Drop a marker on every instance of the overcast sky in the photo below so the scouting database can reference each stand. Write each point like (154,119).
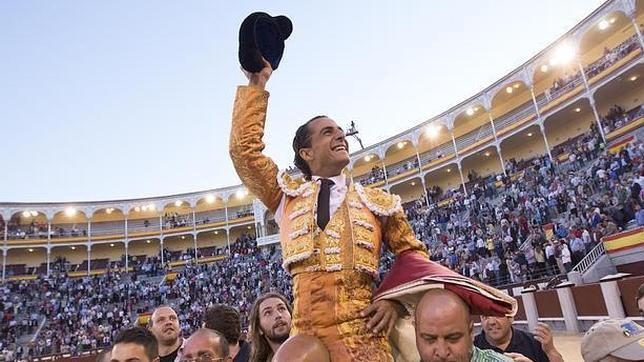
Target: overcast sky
(119,99)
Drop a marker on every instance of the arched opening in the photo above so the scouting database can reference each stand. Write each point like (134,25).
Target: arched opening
(210,211)
(520,149)
(512,106)
(443,182)
(70,224)
(27,224)
(107,223)
(400,160)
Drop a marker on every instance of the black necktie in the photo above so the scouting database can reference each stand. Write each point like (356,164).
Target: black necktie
(323,202)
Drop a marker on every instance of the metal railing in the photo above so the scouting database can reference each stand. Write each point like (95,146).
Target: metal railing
(402,166)
(590,258)
(550,96)
(509,118)
(444,149)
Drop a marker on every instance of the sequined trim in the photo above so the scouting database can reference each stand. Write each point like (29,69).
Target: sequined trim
(364,224)
(355,204)
(334,250)
(365,244)
(367,270)
(295,258)
(332,234)
(333,267)
(291,188)
(298,213)
(312,268)
(297,233)
(382,203)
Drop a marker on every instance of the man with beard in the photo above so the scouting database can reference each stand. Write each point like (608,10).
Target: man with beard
(270,325)
(444,330)
(164,324)
(499,335)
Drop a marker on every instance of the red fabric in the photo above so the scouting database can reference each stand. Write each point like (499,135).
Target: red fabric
(410,266)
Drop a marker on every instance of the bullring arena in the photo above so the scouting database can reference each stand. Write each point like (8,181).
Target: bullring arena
(487,185)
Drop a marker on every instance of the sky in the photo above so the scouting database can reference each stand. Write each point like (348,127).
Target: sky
(104,100)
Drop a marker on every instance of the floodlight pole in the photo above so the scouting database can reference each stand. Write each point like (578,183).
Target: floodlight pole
(353,131)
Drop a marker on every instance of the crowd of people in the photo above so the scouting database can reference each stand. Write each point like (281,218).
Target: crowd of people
(617,117)
(496,232)
(566,82)
(611,56)
(376,174)
(173,220)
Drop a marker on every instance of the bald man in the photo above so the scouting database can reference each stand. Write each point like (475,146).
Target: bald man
(444,330)
(302,348)
(164,324)
(206,344)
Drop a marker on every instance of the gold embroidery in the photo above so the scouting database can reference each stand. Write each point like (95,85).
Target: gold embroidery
(378,201)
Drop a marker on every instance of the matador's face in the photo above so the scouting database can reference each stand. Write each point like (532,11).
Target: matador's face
(329,151)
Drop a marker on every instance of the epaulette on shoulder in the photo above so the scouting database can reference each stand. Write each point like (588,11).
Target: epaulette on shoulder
(291,186)
(380,202)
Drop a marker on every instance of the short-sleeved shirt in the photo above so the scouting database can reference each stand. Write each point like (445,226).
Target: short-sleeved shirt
(521,342)
(487,355)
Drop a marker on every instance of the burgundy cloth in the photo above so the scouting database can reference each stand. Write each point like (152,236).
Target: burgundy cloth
(410,266)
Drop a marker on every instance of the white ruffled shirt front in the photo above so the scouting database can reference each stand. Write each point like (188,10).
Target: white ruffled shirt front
(338,193)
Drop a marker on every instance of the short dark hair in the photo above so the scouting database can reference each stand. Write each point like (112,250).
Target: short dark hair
(301,140)
(142,337)
(224,319)
(104,355)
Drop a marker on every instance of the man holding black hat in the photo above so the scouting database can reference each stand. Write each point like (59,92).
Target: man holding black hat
(331,231)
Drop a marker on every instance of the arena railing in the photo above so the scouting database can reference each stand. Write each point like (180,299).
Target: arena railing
(444,149)
(517,114)
(401,167)
(108,228)
(551,96)
(590,258)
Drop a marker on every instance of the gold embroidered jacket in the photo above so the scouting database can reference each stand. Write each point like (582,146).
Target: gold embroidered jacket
(353,237)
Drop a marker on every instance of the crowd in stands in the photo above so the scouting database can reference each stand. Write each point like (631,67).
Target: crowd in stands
(496,232)
(618,117)
(35,229)
(85,313)
(612,56)
(375,175)
(174,220)
(566,82)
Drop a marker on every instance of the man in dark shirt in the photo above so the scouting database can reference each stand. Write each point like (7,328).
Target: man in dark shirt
(226,320)
(499,335)
(164,325)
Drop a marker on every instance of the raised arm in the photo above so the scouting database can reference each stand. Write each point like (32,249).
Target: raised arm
(257,171)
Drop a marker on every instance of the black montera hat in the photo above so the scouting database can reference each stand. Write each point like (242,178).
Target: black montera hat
(262,35)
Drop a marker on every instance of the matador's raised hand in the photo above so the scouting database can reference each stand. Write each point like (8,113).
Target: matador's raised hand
(260,78)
